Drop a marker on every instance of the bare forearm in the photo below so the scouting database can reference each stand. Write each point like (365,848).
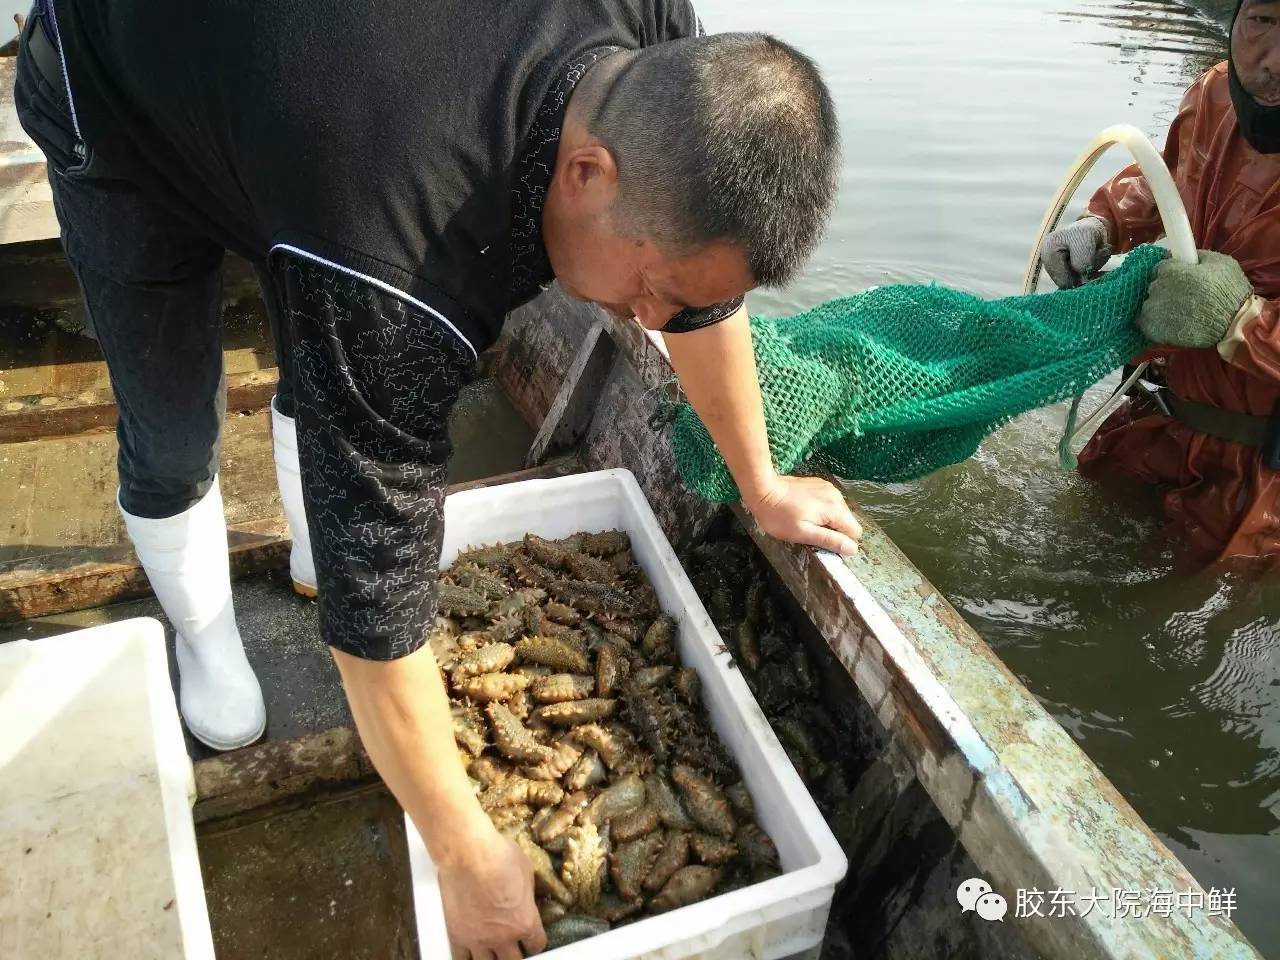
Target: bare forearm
(717,371)
(402,713)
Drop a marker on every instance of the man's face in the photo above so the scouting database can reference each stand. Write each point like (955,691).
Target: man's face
(594,260)
(1255,49)
(637,278)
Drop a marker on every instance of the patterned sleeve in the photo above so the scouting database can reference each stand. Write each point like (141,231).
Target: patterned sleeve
(374,379)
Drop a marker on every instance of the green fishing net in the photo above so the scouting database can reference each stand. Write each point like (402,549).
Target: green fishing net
(897,382)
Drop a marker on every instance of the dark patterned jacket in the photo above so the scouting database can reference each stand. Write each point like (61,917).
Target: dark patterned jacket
(387,163)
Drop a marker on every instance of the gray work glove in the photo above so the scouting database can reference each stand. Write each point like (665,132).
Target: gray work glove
(1071,254)
(1194,304)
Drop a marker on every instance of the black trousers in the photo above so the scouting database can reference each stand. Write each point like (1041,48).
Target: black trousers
(152,289)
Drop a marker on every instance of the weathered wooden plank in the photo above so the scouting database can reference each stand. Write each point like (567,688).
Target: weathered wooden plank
(114,575)
(572,409)
(1028,805)
(48,354)
(277,771)
(538,344)
(51,415)
(71,579)
(26,210)
(36,277)
(54,382)
(556,467)
(71,518)
(26,205)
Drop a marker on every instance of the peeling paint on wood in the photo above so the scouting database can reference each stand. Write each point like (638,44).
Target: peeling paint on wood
(1032,810)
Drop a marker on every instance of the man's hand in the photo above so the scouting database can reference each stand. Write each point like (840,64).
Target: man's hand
(717,370)
(1073,252)
(488,901)
(807,510)
(486,882)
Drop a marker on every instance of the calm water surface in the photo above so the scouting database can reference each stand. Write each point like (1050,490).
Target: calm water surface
(960,120)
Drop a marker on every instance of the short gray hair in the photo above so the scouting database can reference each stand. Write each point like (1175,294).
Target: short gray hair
(729,137)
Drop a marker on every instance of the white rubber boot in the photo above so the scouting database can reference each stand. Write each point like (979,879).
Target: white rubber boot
(302,567)
(185,558)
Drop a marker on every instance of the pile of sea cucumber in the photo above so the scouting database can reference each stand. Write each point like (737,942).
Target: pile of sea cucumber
(586,738)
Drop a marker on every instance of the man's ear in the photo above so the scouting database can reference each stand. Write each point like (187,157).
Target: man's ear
(590,170)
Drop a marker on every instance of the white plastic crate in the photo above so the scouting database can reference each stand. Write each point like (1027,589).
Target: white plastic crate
(782,917)
(98,852)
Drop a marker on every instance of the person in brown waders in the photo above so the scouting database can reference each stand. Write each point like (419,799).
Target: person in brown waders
(1209,433)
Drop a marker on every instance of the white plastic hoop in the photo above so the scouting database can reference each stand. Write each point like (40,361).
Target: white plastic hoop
(1177,228)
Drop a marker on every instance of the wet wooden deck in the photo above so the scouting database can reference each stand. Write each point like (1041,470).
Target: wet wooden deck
(62,544)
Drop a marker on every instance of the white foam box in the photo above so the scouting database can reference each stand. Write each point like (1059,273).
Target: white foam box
(782,917)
